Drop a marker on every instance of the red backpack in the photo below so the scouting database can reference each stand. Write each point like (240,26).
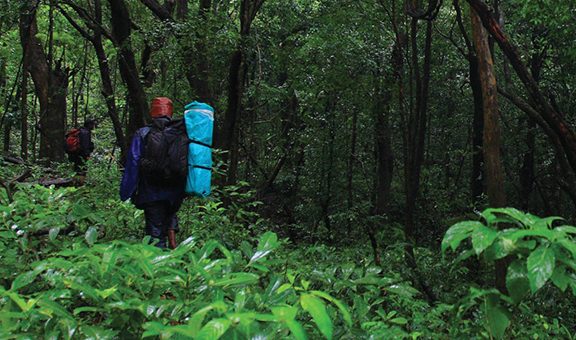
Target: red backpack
(73,141)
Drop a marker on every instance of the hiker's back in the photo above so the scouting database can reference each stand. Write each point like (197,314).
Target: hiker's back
(164,158)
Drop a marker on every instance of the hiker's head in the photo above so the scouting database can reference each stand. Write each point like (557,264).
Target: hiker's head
(90,123)
(161,107)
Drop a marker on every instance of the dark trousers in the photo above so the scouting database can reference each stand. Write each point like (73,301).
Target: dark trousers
(160,217)
(79,163)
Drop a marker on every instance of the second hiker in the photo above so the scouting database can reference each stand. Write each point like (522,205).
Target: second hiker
(155,172)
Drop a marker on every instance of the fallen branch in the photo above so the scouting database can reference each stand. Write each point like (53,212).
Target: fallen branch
(10,185)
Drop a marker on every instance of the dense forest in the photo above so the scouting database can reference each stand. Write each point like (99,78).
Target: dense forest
(382,169)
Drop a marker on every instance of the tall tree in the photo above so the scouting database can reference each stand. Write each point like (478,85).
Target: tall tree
(491,138)
(50,84)
(228,136)
(121,30)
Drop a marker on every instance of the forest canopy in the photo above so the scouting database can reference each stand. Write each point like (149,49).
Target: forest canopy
(382,169)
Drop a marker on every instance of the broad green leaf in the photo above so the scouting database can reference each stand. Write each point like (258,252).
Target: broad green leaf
(540,267)
(517,280)
(545,233)
(237,279)
(398,321)
(545,223)
(457,233)
(25,306)
(195,322)
(55,308)
(402,289)
(508,215)
(317,309)
(496,317)
(285,312)
(214,329)
(568,229)
(91,235)
(482,238)
(106,292)
(569,245)
(296,329)
(24,279)
(345,313)
(53,233)
(267,243)
(560,278)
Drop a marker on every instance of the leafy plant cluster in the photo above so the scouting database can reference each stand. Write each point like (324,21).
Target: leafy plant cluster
(535,250)
(233,279)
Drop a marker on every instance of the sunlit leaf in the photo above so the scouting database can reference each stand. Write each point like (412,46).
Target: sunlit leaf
(541,264)
(457,233)
(317,310)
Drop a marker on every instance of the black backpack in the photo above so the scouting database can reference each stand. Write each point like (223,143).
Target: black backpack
(165,157)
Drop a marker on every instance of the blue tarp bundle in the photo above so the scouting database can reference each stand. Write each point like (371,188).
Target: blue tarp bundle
(199,118)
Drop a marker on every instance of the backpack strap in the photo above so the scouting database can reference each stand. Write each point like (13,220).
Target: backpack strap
(200,143)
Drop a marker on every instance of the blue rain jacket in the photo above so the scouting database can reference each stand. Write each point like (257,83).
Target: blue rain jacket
(137,187)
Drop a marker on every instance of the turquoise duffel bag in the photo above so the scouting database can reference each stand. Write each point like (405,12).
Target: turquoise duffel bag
(199,119)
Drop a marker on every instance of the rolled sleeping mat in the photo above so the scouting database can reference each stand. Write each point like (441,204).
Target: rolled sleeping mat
(199,120)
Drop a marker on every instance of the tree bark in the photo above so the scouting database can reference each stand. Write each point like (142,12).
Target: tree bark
(477,173)
(51,87)
(554,119)
(121,29)
(227,139)
(491,138)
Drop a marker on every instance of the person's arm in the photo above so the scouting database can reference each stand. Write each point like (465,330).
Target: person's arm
(130,178)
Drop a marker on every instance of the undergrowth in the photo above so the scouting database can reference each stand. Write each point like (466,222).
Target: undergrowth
(74,264)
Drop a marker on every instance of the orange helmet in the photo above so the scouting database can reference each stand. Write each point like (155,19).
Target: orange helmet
(161,107)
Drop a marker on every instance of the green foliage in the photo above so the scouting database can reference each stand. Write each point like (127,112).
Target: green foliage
(127,290)
(538,251)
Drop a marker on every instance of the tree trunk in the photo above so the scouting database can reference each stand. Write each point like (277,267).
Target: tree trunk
(477,174)
(51,87)
(138,103)
(555,121)
(491,138)
(351,160)
(227,139)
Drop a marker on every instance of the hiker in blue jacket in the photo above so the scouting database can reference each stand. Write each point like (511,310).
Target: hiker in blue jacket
(160,202)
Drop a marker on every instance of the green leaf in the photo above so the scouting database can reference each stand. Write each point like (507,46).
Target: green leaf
(569,245)
(237,279)
(496,317)
(214,329)
(398,321)
(53,233)
(560,278)
(457,233)
(566,229)
(402,289)
(345,313)
(106,292)
(24,279)
(91,235)
(296,329)
(267,243)
(482,238)
(517,280)
(317,309)
(540,267)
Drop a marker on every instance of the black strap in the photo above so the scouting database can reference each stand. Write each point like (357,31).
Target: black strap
(202,167)
(200,143)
